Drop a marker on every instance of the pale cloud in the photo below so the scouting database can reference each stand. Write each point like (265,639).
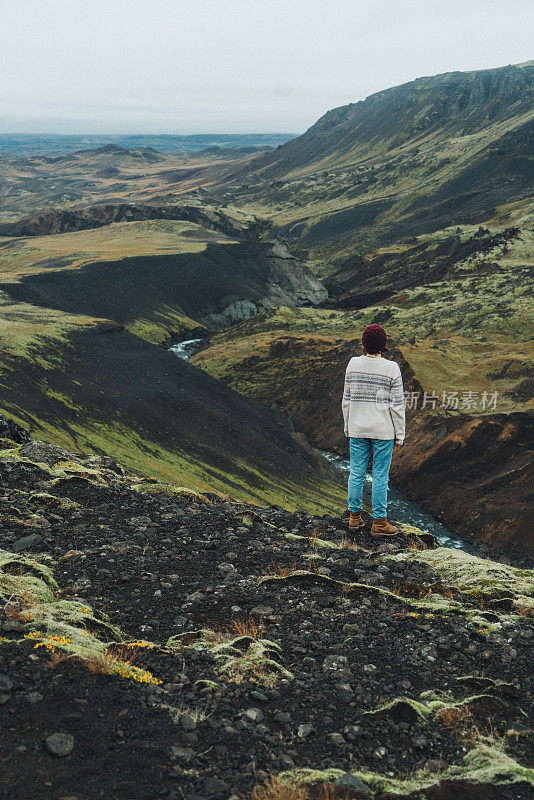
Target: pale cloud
(188,66)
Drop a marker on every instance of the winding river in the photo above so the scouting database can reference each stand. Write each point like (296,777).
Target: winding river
(400,507)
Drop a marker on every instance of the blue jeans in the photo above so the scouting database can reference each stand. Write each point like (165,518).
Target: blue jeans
(360,451)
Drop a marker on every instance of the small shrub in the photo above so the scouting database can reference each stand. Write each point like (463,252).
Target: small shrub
(281,571)
(274,789)
(247,627)
(347,544)
(197,713)
(411,590)
(57,659)
(459,721)
(524,609)
(107,664)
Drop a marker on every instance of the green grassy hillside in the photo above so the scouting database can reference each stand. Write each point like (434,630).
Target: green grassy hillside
(470,330)
(409,160)
(81,318)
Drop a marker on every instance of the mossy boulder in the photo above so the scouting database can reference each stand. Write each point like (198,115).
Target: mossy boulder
(485,773)
(73,628)
(238,657)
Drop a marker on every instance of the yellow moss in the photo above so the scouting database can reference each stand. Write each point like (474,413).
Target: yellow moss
(62,625)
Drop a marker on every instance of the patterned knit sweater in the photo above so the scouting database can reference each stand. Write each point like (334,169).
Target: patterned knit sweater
(373,399)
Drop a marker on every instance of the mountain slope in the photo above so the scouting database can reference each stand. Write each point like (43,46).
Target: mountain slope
(443,106)
(107,391)
(81,318)
(408,160)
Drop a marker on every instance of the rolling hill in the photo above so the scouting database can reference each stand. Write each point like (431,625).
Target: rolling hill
(82,318)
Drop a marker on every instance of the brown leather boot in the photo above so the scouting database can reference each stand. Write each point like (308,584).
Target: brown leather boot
(381,527)
(355,521)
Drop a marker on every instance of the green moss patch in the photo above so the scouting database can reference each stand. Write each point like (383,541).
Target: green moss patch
(404,709)
(237,658)
(483,770)
(25,580)
(496,687)
(73,628)
(418,712)
(140,485)
(477,578)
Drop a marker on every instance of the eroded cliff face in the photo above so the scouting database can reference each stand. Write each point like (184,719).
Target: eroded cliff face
(475,473)
(66,221)
(279,279)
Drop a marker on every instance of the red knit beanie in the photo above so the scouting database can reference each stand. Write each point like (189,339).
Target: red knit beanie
(374,338)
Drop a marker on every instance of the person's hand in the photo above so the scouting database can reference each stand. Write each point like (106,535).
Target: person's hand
(397,444)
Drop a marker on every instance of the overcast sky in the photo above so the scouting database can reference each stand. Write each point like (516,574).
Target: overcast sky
(233,66)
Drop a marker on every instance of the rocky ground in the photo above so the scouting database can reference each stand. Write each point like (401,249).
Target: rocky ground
(158,643)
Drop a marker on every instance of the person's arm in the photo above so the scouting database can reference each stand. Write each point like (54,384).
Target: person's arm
(345,403)
(396,407)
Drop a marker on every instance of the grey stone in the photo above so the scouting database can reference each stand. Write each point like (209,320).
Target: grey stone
(33,543)
(254,714)
(353,731)
(215,787)
(34,697)
(334,663)
(305,730)
(13,625)
(344,692)
(183,754)
(420,741)
(282,717)
(60,744)
(187,722)
(6,684)
(337,739)
(352,782)
(240,310)
(104,573)
(262,611)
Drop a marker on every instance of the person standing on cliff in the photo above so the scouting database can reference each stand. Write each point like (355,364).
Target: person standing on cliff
(373,413)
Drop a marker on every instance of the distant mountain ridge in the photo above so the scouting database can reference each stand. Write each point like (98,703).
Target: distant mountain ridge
(25,144)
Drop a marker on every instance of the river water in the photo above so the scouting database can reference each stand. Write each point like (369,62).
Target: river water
(400,507)
(185,349)
(398,504)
